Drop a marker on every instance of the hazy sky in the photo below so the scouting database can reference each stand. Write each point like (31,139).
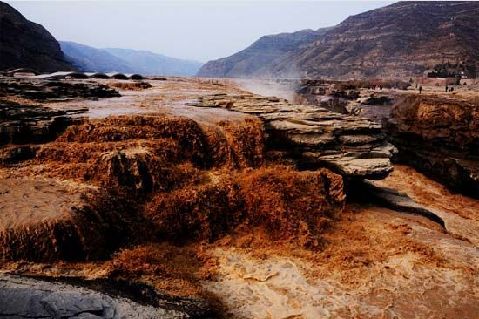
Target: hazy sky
(192,29)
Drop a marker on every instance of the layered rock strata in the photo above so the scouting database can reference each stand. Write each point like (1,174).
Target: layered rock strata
(396,41)
(31,124)
(312,136)
(41,90)
(440,137)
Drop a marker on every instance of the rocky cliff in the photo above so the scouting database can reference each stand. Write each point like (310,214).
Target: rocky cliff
(27,44)
(399,40)
(259,58)
(439,136)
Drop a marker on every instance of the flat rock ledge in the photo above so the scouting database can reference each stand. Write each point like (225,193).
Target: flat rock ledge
(312,136)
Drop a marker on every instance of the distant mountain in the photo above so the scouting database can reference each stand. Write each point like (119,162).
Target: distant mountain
(88,58)
(24,44)
(399,40)
(147,62)
(260,58)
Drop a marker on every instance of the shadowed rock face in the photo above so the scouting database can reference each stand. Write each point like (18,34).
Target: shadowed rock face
(41,90)
(312,136)
(27,44)
(398,40)
(439,136)
(25,124)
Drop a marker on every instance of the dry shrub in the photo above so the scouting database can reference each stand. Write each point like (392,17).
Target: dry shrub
(287,203)
(132,86)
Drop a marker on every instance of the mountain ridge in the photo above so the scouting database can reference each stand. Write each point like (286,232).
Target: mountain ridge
(396,41)
(89,58)
(25,44)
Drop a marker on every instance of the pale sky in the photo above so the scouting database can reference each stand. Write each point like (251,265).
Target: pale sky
(191,29)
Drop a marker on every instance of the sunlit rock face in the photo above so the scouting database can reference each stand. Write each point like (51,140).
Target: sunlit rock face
(400,40)
(312,137)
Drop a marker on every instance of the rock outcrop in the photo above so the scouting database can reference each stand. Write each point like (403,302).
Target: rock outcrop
(24,124)
(46,219)
(312,136)
(399,40)
(31,298)
(439,136)
(41,90)
(27,44)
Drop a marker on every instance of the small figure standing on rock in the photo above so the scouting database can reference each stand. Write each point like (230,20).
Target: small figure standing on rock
(420,89)
(447,88)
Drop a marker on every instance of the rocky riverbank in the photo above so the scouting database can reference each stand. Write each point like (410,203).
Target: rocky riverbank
(194,198)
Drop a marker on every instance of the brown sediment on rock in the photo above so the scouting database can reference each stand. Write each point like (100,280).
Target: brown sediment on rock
(440,137)
(314,137)
(125,159)
(150,150)
(229,224)
(49,220)
(131,85)
(176,270)
(142,166)
(289,205)
(236,144)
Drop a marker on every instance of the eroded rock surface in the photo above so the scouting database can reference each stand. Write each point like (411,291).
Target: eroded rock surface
(40,90)
(48,219)
(204,206)
(312,136)
(31,124)
(439,136)
(29,298)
